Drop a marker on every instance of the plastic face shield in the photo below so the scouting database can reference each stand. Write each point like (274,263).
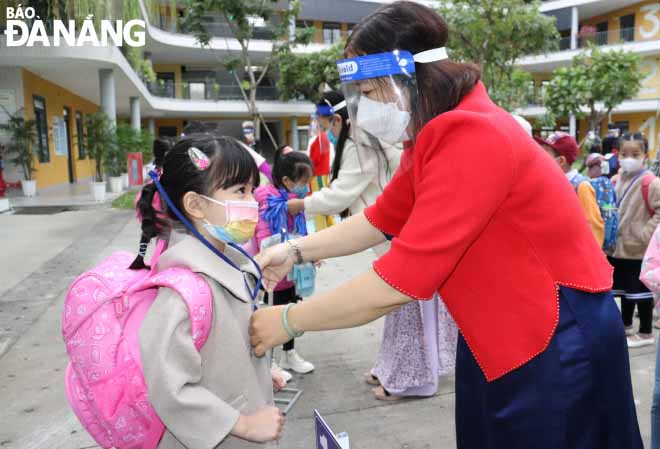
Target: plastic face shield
(381,91)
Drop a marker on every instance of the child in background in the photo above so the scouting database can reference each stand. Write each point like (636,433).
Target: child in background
(638,195)
(221,396)
(291,173)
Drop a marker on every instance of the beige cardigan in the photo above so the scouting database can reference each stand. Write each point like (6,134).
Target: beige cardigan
(636,226)
(199,396)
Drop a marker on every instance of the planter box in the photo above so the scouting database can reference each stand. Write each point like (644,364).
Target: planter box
(116,184)
(98,191)
(29,187)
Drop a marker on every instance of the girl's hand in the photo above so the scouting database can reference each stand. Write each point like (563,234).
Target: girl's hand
(275,263)
(267,330)
(278,379)
(264,426)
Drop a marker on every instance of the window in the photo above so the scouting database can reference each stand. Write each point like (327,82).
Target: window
(197,90)
(623,127)
(165,85)
(627,25)
(42,129)
(544,84)
(167,131)
(79,133)
(601,33)
(331,33)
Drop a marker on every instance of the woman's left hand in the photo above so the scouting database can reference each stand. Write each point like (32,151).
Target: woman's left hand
(267,330)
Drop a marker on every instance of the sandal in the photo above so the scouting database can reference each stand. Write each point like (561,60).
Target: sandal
(371,379)
(383,395)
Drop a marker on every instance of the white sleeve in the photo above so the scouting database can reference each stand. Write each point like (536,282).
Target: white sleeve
(350,183)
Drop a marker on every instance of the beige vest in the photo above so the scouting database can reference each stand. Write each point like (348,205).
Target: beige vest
(199,396)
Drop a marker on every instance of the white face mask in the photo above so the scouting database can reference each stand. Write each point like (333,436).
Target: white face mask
(631,165)
(383,120)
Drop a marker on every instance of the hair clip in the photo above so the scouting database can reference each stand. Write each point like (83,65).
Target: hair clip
(286,150)
(198,158)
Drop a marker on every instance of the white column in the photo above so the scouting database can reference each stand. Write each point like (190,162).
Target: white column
(575,25)
(572,126)
(152,126)
(108,96)
(294,133)
(136,120)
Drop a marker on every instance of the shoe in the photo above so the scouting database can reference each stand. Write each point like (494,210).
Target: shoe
(639,340)
(287,376)
(630,330)
(291,360)
(383,395)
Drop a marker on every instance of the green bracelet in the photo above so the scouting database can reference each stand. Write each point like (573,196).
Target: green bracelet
(285,323)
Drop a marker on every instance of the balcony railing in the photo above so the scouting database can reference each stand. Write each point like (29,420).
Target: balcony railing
(214,25)
(208,91)
(600,38)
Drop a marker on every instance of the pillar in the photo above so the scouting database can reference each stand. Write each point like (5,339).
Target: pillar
(108,97)
(136,120)
(151,123)
(572,126)
(575,25)
(295,143)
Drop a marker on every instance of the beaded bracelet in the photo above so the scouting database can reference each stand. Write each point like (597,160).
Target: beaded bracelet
(285,322)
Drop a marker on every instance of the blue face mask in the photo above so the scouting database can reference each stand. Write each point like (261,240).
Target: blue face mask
(331,137)
(301,191)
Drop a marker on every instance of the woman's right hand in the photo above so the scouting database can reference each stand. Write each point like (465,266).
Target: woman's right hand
(275,262)
(265,425)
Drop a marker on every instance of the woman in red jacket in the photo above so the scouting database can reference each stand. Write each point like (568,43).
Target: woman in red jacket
(482,215)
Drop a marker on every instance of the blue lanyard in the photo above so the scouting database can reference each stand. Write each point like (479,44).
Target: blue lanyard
(625,192)
(191,228)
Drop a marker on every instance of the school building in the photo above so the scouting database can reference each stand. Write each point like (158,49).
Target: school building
(629,25)
(59,86)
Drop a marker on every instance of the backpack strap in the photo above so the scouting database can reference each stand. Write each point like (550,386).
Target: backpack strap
(646,184)
(197,295)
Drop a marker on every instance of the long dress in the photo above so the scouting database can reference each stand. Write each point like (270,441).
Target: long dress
(405,367)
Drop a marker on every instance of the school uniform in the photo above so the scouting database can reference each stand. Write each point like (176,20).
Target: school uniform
(199,396)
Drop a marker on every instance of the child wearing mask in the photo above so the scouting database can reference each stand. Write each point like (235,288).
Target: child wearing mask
(638,195)
(291,173)
(222,395)
(564,149)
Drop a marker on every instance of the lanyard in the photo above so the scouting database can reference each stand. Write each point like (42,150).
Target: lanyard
(625,192)
(191,228)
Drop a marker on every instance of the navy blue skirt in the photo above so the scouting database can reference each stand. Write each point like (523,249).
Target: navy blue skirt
(577,394)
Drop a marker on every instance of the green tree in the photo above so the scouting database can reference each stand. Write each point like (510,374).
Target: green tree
(100,141)
(495,34)
(22,137)
(242,18)
(304,75)
(595,83)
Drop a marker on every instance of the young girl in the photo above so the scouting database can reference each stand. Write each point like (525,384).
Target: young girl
(638,194)
(221,396)
(291,173)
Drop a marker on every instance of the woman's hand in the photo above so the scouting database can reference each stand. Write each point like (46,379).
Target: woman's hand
(267,330)
(275,262)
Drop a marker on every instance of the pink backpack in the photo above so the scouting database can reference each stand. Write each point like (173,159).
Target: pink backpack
(103,312)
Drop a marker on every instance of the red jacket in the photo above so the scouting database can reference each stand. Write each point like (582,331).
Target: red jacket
(481,214)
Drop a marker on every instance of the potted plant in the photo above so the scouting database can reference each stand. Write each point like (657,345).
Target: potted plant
(100,138)
(22,137)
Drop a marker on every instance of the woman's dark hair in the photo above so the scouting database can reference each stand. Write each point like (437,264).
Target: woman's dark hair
(292,164)
(415,28)
(636,137)
(229,165)
(160,148)
(333,98)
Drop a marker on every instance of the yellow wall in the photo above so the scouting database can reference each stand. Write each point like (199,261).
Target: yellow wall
(56,171)
(178,122)
(176,68)
(286,129)
(647,21)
